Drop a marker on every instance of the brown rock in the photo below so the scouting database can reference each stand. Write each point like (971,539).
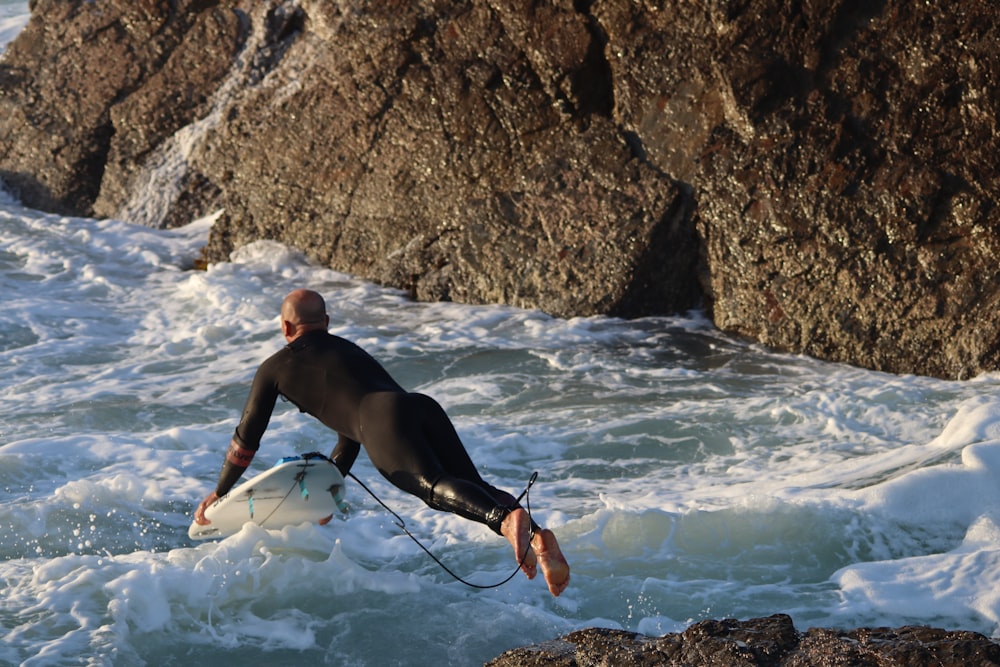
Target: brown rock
(146,123)
(819,176)
(74,68)
(760,642)
(841,155)
(435,152)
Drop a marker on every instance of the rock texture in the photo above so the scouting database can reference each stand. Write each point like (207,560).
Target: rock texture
(90,89)
(760,642)
(819,176)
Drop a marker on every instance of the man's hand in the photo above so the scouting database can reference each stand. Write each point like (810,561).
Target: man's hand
(199,514)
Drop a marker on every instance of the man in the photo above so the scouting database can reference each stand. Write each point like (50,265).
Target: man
(408,436)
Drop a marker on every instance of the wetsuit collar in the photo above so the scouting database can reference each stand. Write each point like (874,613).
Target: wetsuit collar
(306,339)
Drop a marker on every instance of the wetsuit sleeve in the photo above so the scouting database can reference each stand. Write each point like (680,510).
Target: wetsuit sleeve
(258,408)
(344,454)
(237,461)
(246,438)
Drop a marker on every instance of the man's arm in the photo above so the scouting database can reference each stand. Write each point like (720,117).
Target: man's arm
(238,458)
(246,438)
(344,453)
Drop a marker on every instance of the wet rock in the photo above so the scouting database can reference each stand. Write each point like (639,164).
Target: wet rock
(760,642)
(89,90)
(820,177)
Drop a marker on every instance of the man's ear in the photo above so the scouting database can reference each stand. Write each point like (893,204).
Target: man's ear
(287,328)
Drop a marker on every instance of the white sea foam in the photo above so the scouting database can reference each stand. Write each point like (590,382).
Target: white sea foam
(13,17)
(688,475)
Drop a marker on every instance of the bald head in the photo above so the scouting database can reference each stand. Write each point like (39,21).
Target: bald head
(303,310)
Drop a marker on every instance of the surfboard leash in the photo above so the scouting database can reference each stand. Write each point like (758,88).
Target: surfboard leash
(299,481)
(402,526)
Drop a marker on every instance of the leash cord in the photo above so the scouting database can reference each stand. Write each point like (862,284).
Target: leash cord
(402,526)
(298,480)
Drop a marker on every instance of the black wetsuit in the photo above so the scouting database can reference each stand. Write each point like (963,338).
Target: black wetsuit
(408,436)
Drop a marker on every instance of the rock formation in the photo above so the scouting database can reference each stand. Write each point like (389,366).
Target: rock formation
(818,176)
(760,642)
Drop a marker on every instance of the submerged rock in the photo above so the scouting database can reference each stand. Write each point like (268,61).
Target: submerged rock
(820,177)
(760,642)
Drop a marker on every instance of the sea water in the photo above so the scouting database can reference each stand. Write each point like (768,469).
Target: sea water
(687,474)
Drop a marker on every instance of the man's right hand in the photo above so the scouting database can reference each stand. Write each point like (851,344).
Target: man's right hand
(199,514)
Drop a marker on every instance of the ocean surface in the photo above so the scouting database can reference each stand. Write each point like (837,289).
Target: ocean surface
(687,474)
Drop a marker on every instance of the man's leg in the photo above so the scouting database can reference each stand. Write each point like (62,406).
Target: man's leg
(542,549)
(411,441)
(417,442)
(449,450)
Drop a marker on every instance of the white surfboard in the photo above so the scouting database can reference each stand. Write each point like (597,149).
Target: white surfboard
(298,489)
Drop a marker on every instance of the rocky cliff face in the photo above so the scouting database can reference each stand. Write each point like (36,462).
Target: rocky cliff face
(819,176)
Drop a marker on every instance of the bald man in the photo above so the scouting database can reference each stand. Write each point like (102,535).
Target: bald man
(408,436)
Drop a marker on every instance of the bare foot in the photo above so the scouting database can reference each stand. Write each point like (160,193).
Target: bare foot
(516,527)
(555,569)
